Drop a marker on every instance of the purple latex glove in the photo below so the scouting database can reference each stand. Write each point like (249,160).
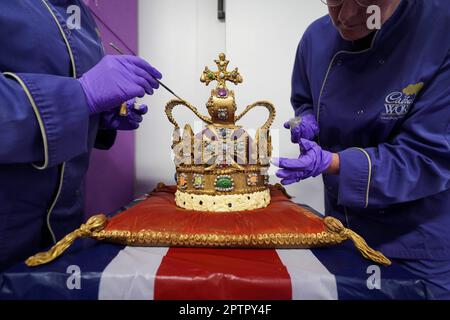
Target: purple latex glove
(114,121)
(311,162)
(304,126)
(116,79)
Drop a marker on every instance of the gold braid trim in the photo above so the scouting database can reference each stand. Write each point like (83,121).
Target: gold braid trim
(92,226)
(260,240)
(335,226)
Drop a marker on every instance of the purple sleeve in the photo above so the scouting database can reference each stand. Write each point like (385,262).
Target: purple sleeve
(46,121)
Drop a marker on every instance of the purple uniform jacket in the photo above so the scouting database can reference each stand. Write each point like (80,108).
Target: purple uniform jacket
(386,111)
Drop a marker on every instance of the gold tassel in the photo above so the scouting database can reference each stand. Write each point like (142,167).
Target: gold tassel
(93,225)
(336,226)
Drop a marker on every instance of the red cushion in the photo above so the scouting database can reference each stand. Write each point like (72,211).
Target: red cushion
(160,213)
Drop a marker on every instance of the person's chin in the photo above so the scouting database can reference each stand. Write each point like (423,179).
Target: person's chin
(353,34)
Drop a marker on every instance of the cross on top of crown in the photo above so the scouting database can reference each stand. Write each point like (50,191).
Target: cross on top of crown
(222,75)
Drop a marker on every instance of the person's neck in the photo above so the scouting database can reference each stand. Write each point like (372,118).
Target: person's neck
(390,10)
(366,42)
(363,43)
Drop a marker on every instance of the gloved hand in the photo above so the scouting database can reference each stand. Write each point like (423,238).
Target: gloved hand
(114,121)
(304,126)
(116,79)
(311,162)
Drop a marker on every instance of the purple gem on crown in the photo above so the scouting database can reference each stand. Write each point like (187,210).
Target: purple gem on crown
(222,92)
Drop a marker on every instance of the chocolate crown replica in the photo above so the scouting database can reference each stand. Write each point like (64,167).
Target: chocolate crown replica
(222,198)
(222,168)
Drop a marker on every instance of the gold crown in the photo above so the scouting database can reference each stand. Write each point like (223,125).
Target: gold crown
(221,168)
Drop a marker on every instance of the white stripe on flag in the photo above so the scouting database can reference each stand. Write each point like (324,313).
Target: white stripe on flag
(310,279)
(131,274)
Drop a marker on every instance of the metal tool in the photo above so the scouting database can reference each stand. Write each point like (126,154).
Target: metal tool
(162,84)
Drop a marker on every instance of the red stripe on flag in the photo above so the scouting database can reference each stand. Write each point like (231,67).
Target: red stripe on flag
(215,274)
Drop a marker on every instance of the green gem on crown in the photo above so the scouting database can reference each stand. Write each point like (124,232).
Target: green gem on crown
(224,183)
(211,75)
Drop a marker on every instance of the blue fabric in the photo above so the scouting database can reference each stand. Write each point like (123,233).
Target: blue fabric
(34,50)
(49,282)
(385,110)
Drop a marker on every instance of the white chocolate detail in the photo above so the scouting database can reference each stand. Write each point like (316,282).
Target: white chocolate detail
(223,203)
